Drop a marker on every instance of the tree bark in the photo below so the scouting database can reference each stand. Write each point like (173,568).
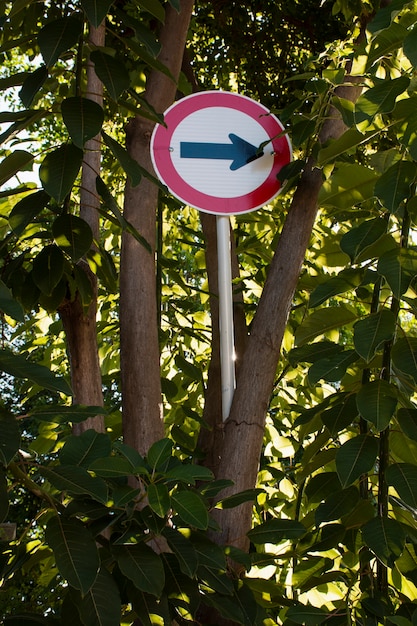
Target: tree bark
(80,324)
(139,341)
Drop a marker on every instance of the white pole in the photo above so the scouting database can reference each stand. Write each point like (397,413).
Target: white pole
(227,344)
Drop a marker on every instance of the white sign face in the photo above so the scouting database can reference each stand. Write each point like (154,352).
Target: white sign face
(220,152)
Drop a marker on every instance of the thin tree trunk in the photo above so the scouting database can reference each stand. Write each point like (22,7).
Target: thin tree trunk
(139,341)
(80,324)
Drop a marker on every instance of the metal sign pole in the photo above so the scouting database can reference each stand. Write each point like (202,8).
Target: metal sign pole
(227,344)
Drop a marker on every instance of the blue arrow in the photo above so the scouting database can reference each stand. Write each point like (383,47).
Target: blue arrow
(240,152)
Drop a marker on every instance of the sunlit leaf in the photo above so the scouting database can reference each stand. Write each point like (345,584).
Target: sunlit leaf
(75,551)
(323,320)
(73,235)
(191,509)
(347,280)
(410,46)
(58,36)
(376,402)
(358,239)
(380,99)
(349,185)
(142,566)
(17,365)
(403,477)
(9,305)
(355,457)
(248,495)
(111,72)
(396,185)
(404,356)
(96,10)
(398,266)
(385,42)
(83,118)
(370,333)
(59,169)
(15,162)
(9,436)
(307,614)
(386,538)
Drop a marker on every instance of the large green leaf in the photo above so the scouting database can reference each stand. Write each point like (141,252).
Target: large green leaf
(73,235)
(17,365)
(111,72)
(158,498)
(191,509)
(59,36)
(75,551)
(307,614)
(159,453)
(358,239)
(355,457)
(96,10)
(370,333)
(313,352)
(410,46)
(32,84)
(404,356)
(277,530)
(332,369)
(319,487)
(111,467)
(398,266)
(338,417)
(322,321)
(83,449)
(76,481)
(9,436)
(83,118)
(9,305)
(377,402)
(349,185)
(154,7)
(403,477)
(142,566)
(407,419)
(15,162)
(183,550)
(396,185)
(128,163)
(189,473)
(26,210)
(350,139)
(101,606)
(59,169)
(58,414)
(385,42)
(337,505)
(48,269)
(380,99)
(347,280)
(386,538)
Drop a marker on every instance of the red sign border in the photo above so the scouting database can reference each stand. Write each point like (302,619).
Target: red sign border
(166,171)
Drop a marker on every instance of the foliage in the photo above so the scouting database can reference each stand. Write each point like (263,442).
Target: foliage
(334,536)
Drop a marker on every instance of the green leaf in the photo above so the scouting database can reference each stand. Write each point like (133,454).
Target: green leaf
(9,436)
(191,509)
(347,280)
(218,581)
(358,239)
(333,368)
(24,212)
(128,163)
(355,457)
(111,72)
(158,498)
(59,169)
(32,84)
(16,365)
(111,204)
(396,185)
(75,551)
(277,530)
(349,185)
(403,477)
(143,567)
(96,10)
(377,402)
(407,419)
(15,162)
(101,606)
(321,485)
(189,473)
(248,495)
(111,467)
(404,356)
(380,99)
(340,416)
(85,448)
(154,7)
(350,139)
(159,453)
(398,267)
(337,505)
(371,333)
(323,320)
(59,36)
(58,414)
(410,46)
(4,495)
(48,269)
(306,614)
(9,305)
(83,118)
(76,481)
(386,41)
(314,352)
(386,538)
(183,550)
(73,235)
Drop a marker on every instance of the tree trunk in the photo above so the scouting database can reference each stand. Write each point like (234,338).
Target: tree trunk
(80,324)
(139,341)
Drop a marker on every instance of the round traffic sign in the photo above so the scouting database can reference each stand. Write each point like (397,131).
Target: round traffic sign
(220,152)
